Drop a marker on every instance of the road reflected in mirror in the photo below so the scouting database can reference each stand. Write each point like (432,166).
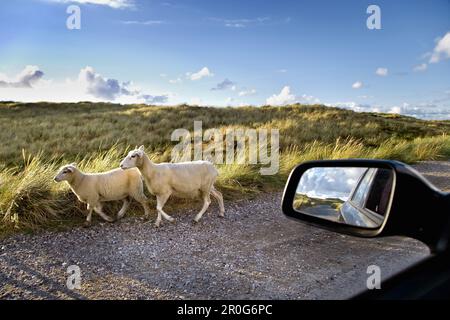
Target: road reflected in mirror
(354,196)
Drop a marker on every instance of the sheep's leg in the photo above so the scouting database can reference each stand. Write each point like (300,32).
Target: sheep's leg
(160,202)
(89,217)
(158,220)
(144,203)
(88,221)
(142,199)
(123,210)
(98,209)
(206,203)
(216,194)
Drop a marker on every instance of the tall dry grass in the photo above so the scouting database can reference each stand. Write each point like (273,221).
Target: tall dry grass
(38,138)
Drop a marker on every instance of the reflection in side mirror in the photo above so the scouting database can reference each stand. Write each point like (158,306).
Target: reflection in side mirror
(368,198)
(356,196)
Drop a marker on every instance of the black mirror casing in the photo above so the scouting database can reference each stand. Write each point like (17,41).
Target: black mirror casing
(418,209)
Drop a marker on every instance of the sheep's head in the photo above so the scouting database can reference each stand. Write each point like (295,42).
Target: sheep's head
(134,159)
(66,173)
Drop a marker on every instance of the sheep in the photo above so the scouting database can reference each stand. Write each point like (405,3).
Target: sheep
(95,188)
(183,180)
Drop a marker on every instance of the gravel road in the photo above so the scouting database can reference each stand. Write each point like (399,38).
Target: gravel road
(254,253)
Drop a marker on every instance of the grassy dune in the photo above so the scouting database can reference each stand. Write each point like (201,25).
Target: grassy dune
(37,138)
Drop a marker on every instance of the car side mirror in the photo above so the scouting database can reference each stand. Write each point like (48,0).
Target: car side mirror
(368,198)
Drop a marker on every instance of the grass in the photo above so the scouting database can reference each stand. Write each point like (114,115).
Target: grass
(304,202)
(38,138)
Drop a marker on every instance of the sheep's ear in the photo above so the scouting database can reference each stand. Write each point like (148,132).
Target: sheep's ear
(141,148)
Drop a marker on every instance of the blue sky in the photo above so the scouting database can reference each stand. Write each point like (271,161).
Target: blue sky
(230,53)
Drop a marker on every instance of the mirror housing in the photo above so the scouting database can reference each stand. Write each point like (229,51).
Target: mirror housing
(418,209)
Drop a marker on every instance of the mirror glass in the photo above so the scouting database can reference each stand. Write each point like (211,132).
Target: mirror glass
(354,196)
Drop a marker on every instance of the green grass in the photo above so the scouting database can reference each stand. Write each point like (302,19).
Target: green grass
(37,138)
(304,202)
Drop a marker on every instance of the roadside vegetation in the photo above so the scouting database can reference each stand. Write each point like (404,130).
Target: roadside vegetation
(36,139)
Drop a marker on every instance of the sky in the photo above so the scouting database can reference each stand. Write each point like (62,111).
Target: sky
(329,182)
(230,53)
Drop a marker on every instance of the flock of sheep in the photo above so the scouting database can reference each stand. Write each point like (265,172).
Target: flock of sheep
(185,180)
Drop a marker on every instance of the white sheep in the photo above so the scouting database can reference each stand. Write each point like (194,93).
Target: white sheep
(95,188)
(183,180)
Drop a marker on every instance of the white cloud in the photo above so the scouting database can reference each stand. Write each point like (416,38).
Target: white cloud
(242,23)
(282,70)
(150,99)
(232,102)
(364,96)
(351,105)
(420,67)
(196,102)
(251,22)
(89,85)
(329,182)
(304,98)
(419,110)
(441,50)
(359,107)
(286,97)
(244,93)
(204,72)
(143,23)
(100,87)
(382,72)
(428,110)
(111,89)
(395,109)
(25,79)
(176,81)
(283,98)
(234,25)
(116,4)
(225,85)
(357,85)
